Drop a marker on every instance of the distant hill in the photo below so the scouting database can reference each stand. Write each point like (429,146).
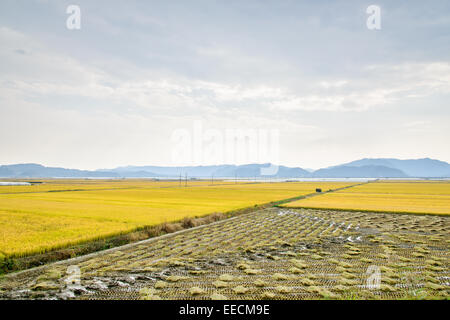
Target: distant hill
(193,171)
(369,171)
(261,170)
(364,168)
(32,170)
(242,171)
(414,168)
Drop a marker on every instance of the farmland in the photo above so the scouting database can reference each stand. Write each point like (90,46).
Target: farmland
(393,196)
(59,213)
(270,253)
(274,253)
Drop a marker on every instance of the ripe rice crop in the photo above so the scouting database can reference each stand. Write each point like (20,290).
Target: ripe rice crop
(58,213)
(409,197)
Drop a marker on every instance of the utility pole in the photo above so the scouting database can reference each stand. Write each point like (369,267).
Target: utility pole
(185,181)
(180,179)
(212,179)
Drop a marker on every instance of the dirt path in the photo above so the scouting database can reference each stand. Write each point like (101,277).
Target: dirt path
(315,194)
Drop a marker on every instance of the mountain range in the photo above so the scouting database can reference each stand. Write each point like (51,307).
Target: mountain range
(363,168)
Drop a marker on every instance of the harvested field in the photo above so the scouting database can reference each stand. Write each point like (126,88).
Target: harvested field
(275,253)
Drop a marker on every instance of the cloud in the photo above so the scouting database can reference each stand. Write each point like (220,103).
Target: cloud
(43,73)
(133,75)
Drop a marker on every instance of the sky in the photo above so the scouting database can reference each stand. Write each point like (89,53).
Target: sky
(164,82)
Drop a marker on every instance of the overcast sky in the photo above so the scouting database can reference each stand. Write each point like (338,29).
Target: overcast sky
(114,92)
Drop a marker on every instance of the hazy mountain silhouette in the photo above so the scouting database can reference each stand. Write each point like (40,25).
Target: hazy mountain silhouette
(243,171)
(32,170)
(359,172)
(414,168)
(364,168)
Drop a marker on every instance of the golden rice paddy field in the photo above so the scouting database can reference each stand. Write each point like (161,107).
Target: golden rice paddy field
(387,196)
(58,213)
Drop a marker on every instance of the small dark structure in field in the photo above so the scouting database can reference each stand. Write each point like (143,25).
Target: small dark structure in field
(318,190)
